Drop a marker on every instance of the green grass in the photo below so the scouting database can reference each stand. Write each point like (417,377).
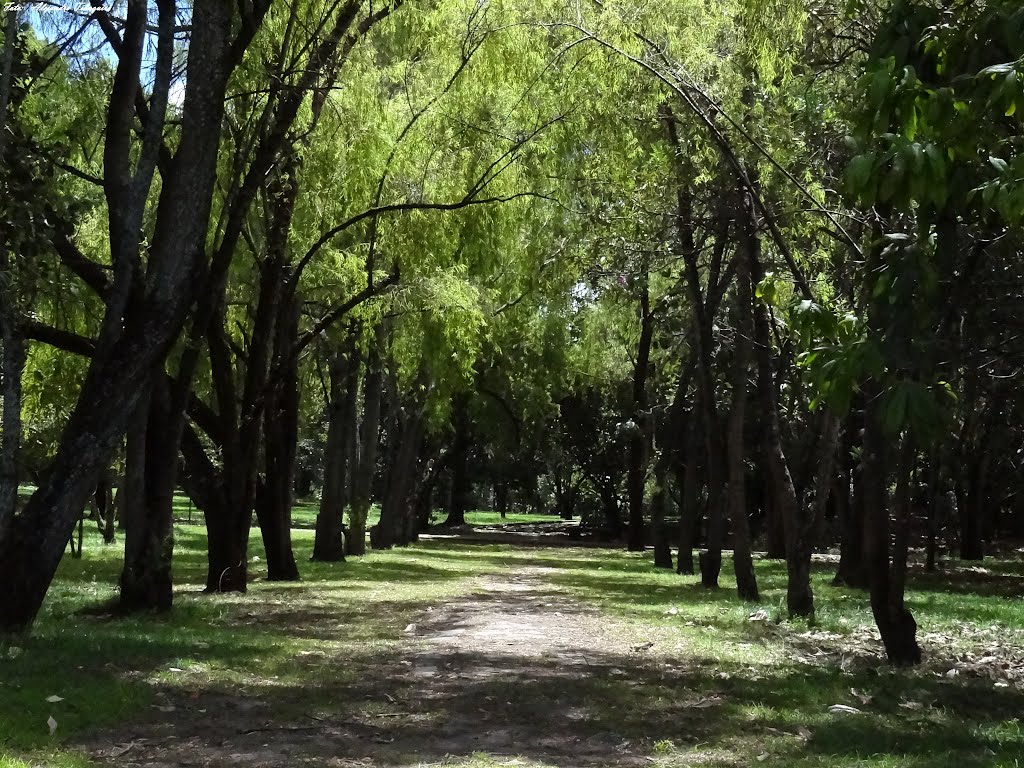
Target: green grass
(771,682)
(305,511)
(105,669)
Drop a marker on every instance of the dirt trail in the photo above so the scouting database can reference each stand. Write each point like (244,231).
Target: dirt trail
(515,669)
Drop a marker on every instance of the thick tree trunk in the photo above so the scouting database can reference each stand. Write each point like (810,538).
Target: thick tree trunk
(895,623)
(459,498)
(362,479)
(280,442)
(11,368)
(394,511)
(329,544)
(134,487)
(146,579)
(227,553)
(128,356)
(12,345)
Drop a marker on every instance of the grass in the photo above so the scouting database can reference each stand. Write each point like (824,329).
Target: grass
(720,689)
(305,511)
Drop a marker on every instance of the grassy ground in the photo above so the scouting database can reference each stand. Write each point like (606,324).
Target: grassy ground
(304,515)
(716,687)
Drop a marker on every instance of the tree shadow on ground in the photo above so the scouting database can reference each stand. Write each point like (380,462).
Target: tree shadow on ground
(593,710)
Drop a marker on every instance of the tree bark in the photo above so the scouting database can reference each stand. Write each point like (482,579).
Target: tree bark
(11,368)
(146,579)
(797,524)
(459,498)
(636,474)
(850,509)
(362,480)
(394,511)
(280,441)
(895,623)
(128,355)
(659,502)
(329,543)
(689,512)
(746,581)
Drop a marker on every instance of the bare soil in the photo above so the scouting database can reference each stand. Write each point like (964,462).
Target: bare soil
(511,670)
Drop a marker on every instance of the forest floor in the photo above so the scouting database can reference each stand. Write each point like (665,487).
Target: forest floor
(481,656)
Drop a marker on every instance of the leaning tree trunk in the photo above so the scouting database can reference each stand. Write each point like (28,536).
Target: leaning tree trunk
(796,523)
(329,543)
(129,355)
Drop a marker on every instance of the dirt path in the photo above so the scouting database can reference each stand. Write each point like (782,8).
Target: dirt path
(515,669)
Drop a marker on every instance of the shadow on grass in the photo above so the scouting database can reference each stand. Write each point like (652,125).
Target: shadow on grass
(319,675)
(606,709)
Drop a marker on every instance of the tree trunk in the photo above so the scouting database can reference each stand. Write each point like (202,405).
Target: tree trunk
(105,504)
(394,510)
(362,480)
(458,500)
(11,368)
(895,623)
(746,581)
(662,549)
(689,511)
(711,558)
(850,510)
(797,526)
(774,526)
(128,355)
(610,507)
(501,497)
(12,344)
(280,442)
(824,477)
(636,475)
(227,553)
(971,506)
(329,543)
(146,579)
